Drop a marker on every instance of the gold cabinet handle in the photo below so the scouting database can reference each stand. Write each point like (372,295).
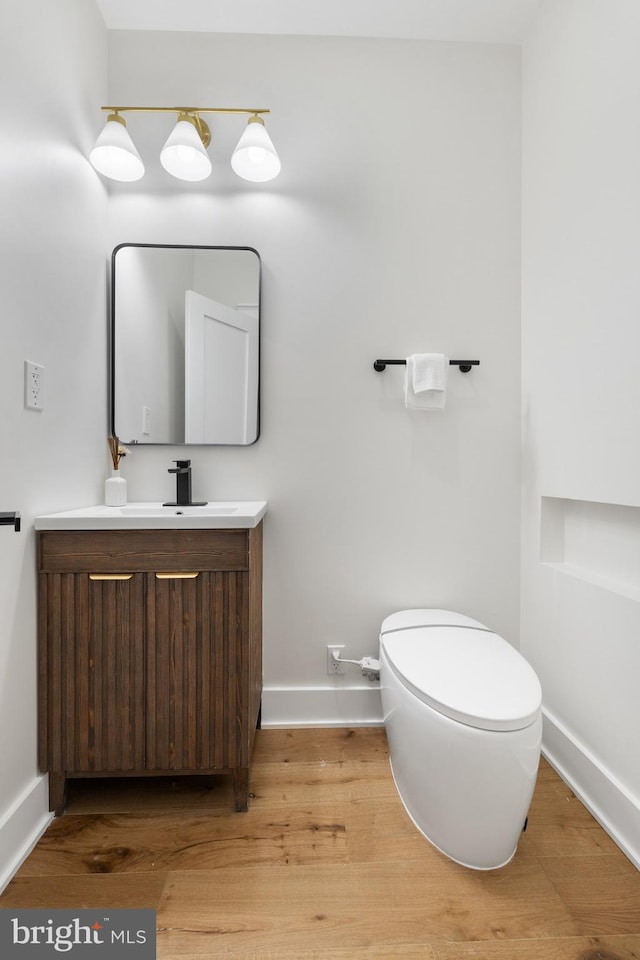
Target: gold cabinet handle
(110,576)
(176,576)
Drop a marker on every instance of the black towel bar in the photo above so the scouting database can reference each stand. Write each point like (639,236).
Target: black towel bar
(464,365)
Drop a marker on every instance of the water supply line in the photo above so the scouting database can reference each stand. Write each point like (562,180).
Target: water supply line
(369,666)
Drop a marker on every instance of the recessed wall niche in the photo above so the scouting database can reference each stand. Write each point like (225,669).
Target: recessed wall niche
(598,542)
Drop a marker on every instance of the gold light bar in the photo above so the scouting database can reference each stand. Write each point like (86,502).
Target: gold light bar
(246,110)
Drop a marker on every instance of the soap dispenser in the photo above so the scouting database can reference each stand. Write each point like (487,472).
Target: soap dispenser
(115,490)
(115,486)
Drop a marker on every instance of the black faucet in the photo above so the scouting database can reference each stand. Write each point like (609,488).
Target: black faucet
(182,471)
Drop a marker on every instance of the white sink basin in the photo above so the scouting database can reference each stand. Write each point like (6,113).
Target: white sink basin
(210,510)
(139,516)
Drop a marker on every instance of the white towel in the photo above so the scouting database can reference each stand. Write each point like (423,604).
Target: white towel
(425,381)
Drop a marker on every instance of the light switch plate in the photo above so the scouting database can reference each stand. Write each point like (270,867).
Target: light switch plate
(33,384)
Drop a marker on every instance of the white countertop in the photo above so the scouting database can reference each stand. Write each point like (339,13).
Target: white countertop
(216,515)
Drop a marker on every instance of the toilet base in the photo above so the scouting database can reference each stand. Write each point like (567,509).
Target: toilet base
(462,863)
(467,790)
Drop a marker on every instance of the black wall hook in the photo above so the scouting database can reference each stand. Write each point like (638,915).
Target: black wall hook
(11,520)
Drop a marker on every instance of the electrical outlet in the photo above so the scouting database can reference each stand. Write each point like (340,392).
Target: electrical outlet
(334,667)
(33,377)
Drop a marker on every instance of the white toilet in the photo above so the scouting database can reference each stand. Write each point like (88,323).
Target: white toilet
(462,711)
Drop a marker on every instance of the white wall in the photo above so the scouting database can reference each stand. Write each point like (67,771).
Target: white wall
(52,309)
(394,228)
(581,341)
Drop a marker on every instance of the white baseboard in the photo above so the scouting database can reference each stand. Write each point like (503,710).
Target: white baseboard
(344,706)
(22,826)
(613,806)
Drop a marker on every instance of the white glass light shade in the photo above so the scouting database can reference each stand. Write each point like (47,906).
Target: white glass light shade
(184,155)
(114,154)
(255,157)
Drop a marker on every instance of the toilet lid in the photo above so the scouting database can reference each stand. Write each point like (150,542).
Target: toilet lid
(467,673)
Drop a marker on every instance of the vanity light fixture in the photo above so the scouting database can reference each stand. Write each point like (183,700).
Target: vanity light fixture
(255,157)
(114,154)
(184,154)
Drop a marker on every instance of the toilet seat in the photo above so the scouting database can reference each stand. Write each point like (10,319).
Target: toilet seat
(462,669)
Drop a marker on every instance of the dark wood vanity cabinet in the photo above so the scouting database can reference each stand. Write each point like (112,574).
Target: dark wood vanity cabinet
(150,653)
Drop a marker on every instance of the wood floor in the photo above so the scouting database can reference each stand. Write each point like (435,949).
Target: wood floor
(326,865)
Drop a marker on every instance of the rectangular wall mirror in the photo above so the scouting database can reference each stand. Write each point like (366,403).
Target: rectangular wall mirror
(185,344)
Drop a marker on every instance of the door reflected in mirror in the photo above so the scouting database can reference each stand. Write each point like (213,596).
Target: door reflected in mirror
(185,344)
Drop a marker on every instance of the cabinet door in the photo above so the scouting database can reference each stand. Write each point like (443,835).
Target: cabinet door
(92,671)
(195,661)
